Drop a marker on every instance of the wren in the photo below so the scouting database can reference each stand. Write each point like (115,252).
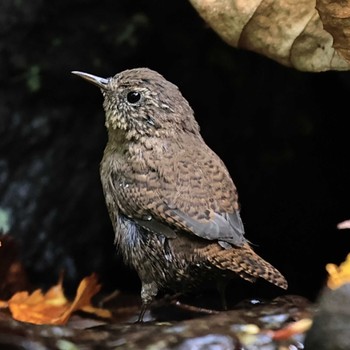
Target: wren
(171,200)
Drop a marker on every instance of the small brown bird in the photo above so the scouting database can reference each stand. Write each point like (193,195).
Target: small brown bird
(171,200)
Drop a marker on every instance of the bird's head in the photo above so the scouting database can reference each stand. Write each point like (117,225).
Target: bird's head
(142,102)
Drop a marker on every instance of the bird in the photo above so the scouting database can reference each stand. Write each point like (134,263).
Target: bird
(171,200)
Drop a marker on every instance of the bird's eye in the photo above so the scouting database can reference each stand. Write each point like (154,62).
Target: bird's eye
(133,97)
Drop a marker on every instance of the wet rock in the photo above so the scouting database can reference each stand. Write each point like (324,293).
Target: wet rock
(331,324)
(236,329)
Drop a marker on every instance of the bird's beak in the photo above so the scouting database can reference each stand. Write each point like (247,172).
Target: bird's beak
(100,82)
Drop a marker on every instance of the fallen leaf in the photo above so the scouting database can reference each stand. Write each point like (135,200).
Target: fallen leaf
(338,275)
(335,16)
(289,32)
(297,327)
(88,287)
(53,307)
(13,276)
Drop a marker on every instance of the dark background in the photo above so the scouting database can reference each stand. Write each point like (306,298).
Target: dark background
(283,135)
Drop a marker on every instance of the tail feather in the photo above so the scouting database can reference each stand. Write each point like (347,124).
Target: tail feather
(244,262)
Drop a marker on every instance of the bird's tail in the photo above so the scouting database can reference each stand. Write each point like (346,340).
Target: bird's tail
(244,262)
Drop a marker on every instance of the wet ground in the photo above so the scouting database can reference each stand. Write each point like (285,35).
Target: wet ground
(252,324)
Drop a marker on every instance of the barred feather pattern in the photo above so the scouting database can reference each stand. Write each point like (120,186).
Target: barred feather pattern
(244,262)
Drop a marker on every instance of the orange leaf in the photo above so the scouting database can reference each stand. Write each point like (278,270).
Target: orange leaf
(53,307)
(298,327)
(88,287)
(3,304)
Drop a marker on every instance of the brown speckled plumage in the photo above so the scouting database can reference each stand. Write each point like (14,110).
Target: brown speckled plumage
(171,200)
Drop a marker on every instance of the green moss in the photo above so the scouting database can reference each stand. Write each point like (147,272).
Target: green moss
(4,220)
(33,78)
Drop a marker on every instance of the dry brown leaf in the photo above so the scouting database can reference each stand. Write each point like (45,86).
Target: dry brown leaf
(53,307)
(335,16)
(287,31)
(13,277)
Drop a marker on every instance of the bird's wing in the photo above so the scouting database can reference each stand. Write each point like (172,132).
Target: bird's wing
(188,189)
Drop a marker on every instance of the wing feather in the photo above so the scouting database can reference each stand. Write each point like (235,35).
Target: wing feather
(172,187)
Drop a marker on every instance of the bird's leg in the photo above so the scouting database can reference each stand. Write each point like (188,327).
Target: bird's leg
(142,313)
(148,293)
(221,285)
(192,308)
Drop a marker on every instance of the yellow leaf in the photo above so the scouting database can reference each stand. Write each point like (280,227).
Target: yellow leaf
(97,311)
(338,275)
